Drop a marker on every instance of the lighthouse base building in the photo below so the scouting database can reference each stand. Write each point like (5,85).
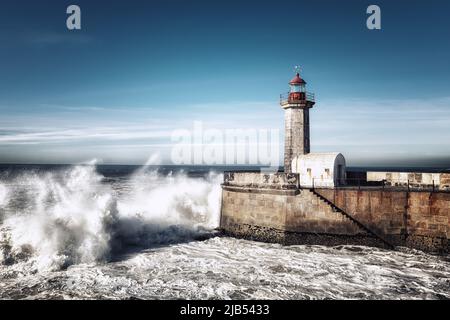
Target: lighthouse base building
(317,201)
(320,169)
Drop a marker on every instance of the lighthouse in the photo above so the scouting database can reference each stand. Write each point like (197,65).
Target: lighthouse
(296,104)
(313,169)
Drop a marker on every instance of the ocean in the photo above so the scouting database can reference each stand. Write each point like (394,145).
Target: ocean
(128,232)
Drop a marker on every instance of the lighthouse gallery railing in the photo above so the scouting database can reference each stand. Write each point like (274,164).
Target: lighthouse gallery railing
(309,96)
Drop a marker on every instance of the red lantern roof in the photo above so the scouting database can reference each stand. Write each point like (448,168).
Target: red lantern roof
(297,80)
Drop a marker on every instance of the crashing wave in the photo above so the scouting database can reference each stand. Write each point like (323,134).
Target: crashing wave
(71,216)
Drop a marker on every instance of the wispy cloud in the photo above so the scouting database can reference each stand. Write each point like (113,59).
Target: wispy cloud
(83,134)
(358,128)
(410,123)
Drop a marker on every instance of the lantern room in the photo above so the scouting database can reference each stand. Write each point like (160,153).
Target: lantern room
(297,84)
(297,93)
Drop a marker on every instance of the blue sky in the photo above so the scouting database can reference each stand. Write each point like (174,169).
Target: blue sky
(138,70)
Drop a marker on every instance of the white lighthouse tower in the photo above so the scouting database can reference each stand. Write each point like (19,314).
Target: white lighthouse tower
(296,104)
(314,169)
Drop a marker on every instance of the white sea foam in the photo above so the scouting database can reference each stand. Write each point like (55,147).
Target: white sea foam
(3,195)
(72,217)
(227,268)
(59,228)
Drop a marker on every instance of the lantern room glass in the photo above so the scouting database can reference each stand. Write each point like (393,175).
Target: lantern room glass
(298,88)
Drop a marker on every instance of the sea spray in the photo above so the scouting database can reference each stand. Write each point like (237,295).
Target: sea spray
(3,200)
(71,216)
(165,209)
(65,220)
(3,195)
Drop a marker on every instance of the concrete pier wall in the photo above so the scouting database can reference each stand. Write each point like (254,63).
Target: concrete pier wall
(417,219)
(271,207)
(438,181)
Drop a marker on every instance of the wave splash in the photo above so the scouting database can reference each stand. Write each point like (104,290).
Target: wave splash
(53,220)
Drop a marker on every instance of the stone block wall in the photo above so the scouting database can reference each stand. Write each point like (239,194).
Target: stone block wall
(440,181)
(287,217)
(296,124)
(416,219)
(444,182)
(270,208)
(253,208)
(260,180)
(306,212)
(302,212)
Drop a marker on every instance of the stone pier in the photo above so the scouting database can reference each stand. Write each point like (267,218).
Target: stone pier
(274,208)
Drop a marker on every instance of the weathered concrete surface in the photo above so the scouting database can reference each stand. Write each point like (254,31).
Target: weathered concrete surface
(296,124)
(241,207)
(265,234)
(440,181)
(415,219)
(444,181)
(254,206)
(287,217)
(279,180)
(320,169)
